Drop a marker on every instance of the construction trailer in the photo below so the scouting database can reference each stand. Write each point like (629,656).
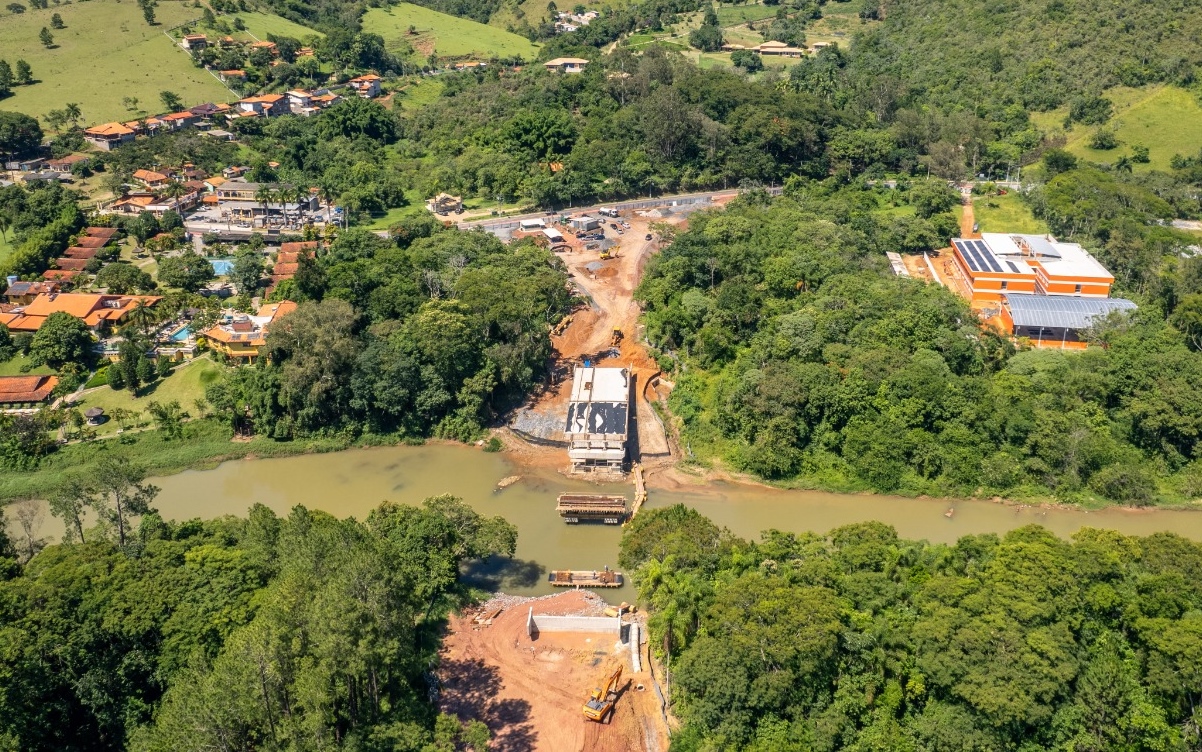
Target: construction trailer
(576,508)
(598,419)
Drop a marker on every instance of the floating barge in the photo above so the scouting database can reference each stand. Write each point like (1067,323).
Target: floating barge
(575,508)
(604,578)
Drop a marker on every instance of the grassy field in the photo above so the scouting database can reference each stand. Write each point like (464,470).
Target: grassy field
(6,245)
(259,25)
(185,385)
(13,366)
(444,35)
(1005,214)
(107,52)
(419,92)
(1166,119)
(729,15)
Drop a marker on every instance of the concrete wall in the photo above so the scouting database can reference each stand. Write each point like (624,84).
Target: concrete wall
(601,624)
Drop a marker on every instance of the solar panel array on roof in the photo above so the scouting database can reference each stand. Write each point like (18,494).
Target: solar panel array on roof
(978,256)
(1013,266)
(1040,245)
(1061,311)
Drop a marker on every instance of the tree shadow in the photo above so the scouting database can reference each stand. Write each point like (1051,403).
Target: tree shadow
(470,691)
(500,572)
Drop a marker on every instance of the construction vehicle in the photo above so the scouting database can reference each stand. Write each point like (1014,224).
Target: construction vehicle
(601,701)
(616,339)
(562,325)
(606,254)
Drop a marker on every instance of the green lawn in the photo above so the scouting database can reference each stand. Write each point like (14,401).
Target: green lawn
(1005,214)
(185,385)
(444,35)
(1166,119)
(107,52)
(6,246)
(419,92)
(260,24)
(13,366)
(729,15)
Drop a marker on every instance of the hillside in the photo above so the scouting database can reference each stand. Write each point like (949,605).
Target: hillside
(105,53)
(259,25)
(444,35)
(1033,52)
(1165,119)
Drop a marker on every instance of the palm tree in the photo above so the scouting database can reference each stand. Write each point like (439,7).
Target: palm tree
(1123,164)
(264,196)
(175,189)
(74,114)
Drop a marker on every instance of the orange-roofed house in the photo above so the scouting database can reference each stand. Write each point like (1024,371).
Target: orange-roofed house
(267,105)
(22,293)
(566,64)
(269,46)
(999,263)
(108,233)
(179,120)
(71,264)
(233,74)
(97,311)
(18,393)
(242,336)
(58,275)
(366,86)
(108,136)
(80,252)
(195,42)
(150,178)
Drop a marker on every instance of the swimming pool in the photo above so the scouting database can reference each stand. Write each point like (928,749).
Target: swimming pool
(181,334)
(222,267)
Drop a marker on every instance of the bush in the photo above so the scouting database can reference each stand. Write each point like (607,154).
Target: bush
(1124,483)
(1103,139)
(115,378)
(100,378)
(493,444)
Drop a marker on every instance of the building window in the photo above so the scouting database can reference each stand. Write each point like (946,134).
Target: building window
(1078,290)
(1004,284)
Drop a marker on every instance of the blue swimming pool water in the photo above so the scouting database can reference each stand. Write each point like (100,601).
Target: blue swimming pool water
(222,267)
(182,334)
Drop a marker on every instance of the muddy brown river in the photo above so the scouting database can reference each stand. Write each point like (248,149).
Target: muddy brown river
(352,482)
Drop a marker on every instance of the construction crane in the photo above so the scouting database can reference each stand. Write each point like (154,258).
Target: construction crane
(601,701)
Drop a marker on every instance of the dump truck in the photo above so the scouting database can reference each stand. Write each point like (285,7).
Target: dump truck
(601,702)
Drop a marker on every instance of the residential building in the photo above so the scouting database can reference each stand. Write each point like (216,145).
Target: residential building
(20,393)
(71,264)
(97,311)
(233,74)
(108,136)
(22,293)
(598,419)
(179,120)
(266,105)
(287,261)
(194,42)
(58,275)
(65,164)
(150,178)
(778,49)
(269,46)
(79,252)
(366,86)
(243,336)
(566,64)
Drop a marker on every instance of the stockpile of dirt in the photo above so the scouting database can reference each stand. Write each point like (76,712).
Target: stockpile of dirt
(530,692)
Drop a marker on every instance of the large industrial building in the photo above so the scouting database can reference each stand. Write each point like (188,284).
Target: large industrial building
(1049,291)
(598,419)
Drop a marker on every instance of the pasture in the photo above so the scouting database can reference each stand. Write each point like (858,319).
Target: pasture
(106,53)
(443,35)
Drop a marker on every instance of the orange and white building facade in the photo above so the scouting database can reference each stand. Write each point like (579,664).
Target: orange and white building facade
(1000,263)
(1049,292)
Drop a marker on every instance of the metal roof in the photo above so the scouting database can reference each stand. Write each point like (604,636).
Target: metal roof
(1061,311)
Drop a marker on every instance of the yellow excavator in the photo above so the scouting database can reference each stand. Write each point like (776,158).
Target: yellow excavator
(601,701)
(616,338)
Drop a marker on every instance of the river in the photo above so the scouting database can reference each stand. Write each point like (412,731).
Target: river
(352,482)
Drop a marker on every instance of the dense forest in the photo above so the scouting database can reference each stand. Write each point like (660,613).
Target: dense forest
(425,334)
(860,640)
(801,359)
(267,633)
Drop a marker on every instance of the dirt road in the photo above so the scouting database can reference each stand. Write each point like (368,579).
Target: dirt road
(530,692)
(609,286)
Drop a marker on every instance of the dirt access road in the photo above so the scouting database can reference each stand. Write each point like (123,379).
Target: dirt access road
(609,286)
(529,692)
